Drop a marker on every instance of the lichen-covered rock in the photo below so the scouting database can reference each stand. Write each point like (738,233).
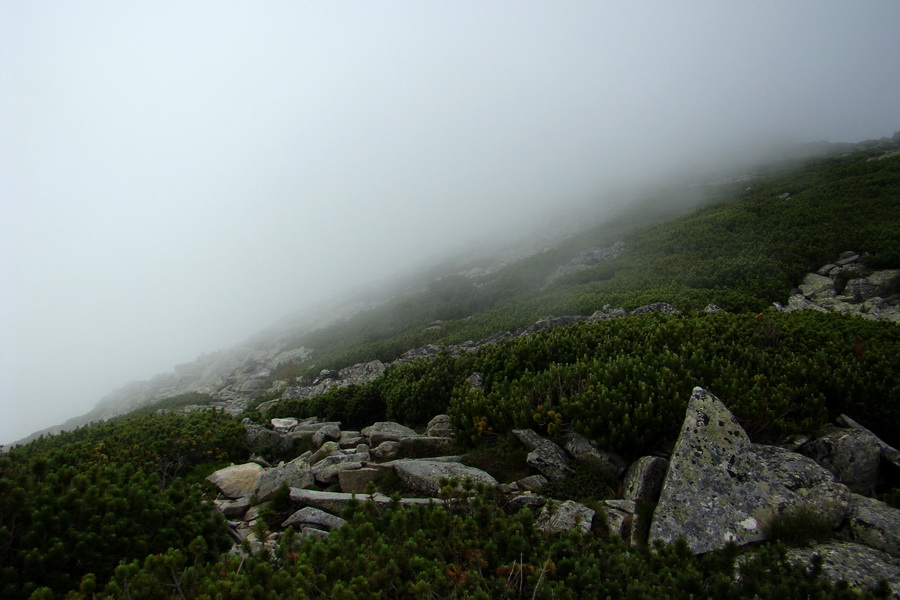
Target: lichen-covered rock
(237,481)
(265,441)
(314,516)
(580,448)
(563,516)
(356,480)
(644,478)
(720,488)
(875,524)
(326,433)
(656,307)
(386,431)
(816,285)
(386,450)
(293,474)
(852,455)
(545,456)
(860,566)
(233,509)
(532,483)
(327,449)
(439,426)
(423,476)
(620,518)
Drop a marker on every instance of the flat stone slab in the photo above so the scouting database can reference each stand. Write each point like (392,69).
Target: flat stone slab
(335,502)
(545,456)
(424,476)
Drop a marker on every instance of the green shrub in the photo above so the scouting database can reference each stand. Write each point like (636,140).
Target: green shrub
(798,526)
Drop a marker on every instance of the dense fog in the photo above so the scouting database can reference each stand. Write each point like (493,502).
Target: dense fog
(176,176)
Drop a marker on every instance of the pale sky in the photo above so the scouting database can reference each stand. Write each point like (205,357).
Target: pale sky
(175,176)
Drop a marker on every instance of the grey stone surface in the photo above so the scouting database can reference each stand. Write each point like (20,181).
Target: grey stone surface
(293,474)
(816,285)
(309,515)
(335,502)
(563,516)
(326,433)
(439,426)
(237,481)
(388,450)
(355,481)
(644,478)
(532,483)
(262,440)
(860,566)
(423,476)
(426,446)
(580,448)
(545,456)
(852,455)
(233,509)
(387,431)
(283,425)
(656,307)
(875,524)
(720,488)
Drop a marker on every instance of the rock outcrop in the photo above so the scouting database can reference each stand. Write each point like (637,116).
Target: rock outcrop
(720,488)
(847,287)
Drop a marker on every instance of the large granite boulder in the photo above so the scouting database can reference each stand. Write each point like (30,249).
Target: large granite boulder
(237,481)
(852,455)
(265,441)
(386,431)
(644,478)
(875,524)
(545,456)
(296,473)
(860,566)
(423,476)
(720,488)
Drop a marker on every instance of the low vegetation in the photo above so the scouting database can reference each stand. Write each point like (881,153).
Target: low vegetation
(120,509)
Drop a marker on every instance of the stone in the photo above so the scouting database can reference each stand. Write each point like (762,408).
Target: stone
(644,479)
(265,441)
(875,524)
(386,451)
(423,476)
(720,488)
(580,448)
(292,474)
(656,307)
(283,425)
(816,285)
(387,431)
(888,453)
(532,483)
(620,517)
(439,426)
(254,512)
(606,313)
(860,566)
(526,500)
(355,481)
(237,481)
(545,456)
(852,455)
(558,517)
(316,517)
(312,532)
(713,308)
(327,449)
(326,433)
(426,446)
(233,509)
(335,502)
(326,470)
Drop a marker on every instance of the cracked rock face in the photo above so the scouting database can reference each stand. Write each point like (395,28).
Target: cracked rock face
(720,488)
